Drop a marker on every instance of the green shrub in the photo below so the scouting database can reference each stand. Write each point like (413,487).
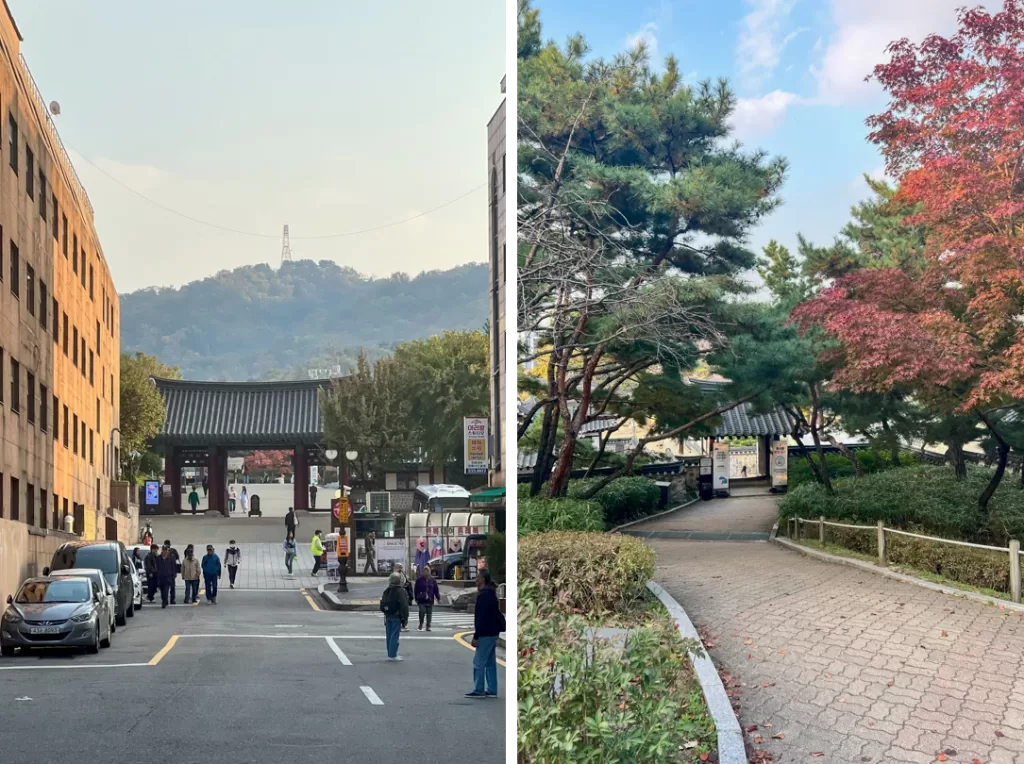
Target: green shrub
(559,515)
(590,573)
(494,552)
(871,461)
(634,703)
(625,499)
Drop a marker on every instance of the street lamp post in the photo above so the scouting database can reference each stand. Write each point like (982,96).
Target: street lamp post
(350,456)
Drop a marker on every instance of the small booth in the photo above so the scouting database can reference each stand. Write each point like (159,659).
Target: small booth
(450,543)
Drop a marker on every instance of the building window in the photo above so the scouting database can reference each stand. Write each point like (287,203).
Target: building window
(30,173)
(30,288)
(1,376)
(30,504)
(91,293)
(66,424)
(92,452)
(42,194)
(42,507)
(30,396)
(44,403)
(91,377)
(15,499)
(56,418)
(1,253)
(98,344)
(56,323)
(12,138)
(74,347)
(83,266)
(83,438)
(44,304)
(64,219)
(82,367)
(74,252)
(56,222)
(74,433)
(15,386)
(97,413)
(15,272)
(407,481)
(56,513)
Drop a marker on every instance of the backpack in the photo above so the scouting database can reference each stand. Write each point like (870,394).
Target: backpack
(388,606)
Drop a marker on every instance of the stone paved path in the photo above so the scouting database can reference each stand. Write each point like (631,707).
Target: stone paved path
(851,665)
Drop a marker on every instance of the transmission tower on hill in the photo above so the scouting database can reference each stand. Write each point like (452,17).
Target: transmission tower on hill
(286,247)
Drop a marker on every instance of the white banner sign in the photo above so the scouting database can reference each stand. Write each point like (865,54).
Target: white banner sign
(235,463)
(475,436)
(720,476)
(780,463)
(391,549)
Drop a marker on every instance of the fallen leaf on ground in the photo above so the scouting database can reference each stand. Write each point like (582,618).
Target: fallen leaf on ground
(779,736)
(945,634)
(999,734)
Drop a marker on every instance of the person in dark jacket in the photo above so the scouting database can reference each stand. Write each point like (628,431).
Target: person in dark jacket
(166,571)
(150,566)
(426,594)
(210,566)
(489,623)
(394,604)
(289,521)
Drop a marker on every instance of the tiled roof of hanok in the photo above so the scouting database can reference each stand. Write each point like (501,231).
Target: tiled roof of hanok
(241,413)
(742,421)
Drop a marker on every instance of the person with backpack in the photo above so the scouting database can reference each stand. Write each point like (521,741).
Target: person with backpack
(407,585)
(232,558)
(426,594)
(394,604)
(489,623)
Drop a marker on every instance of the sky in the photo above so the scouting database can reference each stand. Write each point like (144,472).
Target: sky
(797,68)
(332,117)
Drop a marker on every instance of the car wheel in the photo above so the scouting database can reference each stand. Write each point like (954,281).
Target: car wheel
(113,626)
(120,619)
(6,651)
(95,646)
(131,611)
(106,642)
(138,605)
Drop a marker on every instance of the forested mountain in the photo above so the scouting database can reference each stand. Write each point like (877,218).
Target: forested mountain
(259,322)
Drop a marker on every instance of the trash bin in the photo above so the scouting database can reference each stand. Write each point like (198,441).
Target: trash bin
(254,506)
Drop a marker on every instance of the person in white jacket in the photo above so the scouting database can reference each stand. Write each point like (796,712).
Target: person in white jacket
(232,559)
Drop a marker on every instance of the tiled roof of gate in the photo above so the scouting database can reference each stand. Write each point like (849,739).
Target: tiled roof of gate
(241,413)
(741,421)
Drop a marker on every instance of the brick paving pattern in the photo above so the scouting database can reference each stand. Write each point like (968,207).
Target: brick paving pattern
(848,666)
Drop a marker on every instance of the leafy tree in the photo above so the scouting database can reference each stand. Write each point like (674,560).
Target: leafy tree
(779,270)
(142,408)
(367,412)
(444,379)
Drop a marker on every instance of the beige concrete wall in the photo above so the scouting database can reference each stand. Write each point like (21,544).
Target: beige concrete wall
(25,553)
(496,258)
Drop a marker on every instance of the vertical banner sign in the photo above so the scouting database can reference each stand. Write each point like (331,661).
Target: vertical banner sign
(721,467)
(475,432)
(780,463)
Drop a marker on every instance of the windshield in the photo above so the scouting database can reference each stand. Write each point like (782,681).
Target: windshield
(54,591)
(104,558)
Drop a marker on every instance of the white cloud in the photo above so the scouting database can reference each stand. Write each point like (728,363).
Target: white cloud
(863,29)
(648,34)
(860,189)
(757,116)
(763,39)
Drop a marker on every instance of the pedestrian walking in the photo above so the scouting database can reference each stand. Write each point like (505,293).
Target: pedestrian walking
(167,572)
(206,485)
(290,551)
(316,546)
(193,500)
(232,498)
(211,573)
(312,497)
(290,522)
(370,545)
(489,623)
(177,567)
(394,604)
(232,558)
(407,585)
(137,558)
(190,572)
(151,566)
(427,593)
(244,499)
(147,534)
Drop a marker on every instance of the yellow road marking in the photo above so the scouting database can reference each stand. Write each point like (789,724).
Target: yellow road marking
(309,600)
(461,639)
(166,649)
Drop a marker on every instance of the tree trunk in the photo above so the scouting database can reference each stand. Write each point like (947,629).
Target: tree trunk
(545,449)
(851,455)
(956,458)
(826,480)
(893,441)
(993,484)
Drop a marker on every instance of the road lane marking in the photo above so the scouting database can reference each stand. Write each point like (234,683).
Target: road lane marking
(64,666)
(309,600)
(164,650)
(307,636)
(372,696)
(461,639)
(337,651)
(287,625)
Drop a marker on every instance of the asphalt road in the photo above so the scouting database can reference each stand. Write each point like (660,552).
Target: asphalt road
(251,679)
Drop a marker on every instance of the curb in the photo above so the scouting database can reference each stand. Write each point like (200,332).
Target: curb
(904,577)
(731,747)
(617,528)
(335,603)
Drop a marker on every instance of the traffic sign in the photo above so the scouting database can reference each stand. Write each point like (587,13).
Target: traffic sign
(340,509)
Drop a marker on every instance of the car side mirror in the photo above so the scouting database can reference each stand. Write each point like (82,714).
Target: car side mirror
(46,571)
(10,599)
(125,570)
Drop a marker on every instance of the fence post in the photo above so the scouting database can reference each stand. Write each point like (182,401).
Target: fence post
(797,521)
(1015,570)
(821,529)
(881,543)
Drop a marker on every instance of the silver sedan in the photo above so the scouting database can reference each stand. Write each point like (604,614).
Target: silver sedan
(55,612)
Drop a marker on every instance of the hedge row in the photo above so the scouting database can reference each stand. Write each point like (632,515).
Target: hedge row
(871,461)
(625,499)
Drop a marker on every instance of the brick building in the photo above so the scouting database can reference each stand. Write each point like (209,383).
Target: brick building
(59,338)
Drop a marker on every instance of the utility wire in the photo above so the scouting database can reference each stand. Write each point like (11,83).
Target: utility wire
(165,208)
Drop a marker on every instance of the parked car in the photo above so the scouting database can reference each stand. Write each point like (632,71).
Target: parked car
(444,567)
(137,580)
(55,612)
(108,556)
(96,576)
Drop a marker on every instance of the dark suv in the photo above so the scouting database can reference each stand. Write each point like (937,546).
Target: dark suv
(109,557)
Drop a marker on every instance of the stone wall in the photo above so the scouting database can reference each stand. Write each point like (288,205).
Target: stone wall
(24,552)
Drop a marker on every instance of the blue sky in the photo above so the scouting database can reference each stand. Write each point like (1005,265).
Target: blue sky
(797,67)
(330,116)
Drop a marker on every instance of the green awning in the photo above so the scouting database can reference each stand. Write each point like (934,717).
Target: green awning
(491,494)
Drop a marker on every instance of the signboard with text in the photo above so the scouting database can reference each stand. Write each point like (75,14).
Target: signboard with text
(340,509)
(720,456)
(152,493)
(780,463)
(475,431)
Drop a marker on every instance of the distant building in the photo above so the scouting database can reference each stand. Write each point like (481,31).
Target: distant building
(59,341)
(496,241)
